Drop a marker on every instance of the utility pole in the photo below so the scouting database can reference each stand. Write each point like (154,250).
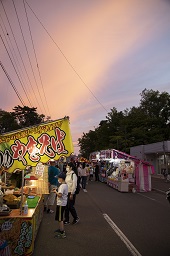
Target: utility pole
(165,162)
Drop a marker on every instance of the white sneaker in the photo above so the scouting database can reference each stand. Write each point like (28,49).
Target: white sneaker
(50,211)
(84,190)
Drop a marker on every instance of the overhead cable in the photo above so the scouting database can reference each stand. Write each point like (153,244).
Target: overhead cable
(36,58)
(81,79)
(13,86)
(15,69)
(28,57)
(14,57)
(19,51)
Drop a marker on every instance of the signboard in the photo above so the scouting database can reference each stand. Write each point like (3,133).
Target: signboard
(29,146)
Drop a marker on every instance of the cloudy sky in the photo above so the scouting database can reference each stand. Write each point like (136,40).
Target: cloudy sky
(80,58)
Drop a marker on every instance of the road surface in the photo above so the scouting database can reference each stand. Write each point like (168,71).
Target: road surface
(111,224)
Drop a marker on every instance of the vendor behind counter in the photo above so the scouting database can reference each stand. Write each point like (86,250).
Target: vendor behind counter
(16,179)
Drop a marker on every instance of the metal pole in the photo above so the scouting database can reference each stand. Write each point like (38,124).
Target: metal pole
(22,192)
(165,162)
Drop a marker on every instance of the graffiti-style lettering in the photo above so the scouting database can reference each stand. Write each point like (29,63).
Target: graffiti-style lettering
(43,145)
(32,149)
(1,158)
(57,144)
(6,159)
(25,238)
(19,150)
(7,225)
(45,148)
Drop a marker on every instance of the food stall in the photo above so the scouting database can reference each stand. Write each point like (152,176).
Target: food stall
(26,152)
(133,174)
(122,177)
(125,173)
(19,227)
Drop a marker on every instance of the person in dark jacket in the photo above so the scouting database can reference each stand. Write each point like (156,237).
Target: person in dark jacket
(96,171)
(53,173)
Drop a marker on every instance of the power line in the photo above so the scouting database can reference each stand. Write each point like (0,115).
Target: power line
(81,79)
(19,51)
(28,55)
(13,86)
(11,52)
(15,69)
(36,57)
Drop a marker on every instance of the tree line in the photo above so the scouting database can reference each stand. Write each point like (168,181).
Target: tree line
(147,123)
(19,118)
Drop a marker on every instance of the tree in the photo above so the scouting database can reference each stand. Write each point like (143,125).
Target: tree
(87,143)
(148,123)
(26,116)
(157,107)
(7,122)
(20,118)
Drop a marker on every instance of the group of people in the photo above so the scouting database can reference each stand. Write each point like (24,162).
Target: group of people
(86,173)
(63,183)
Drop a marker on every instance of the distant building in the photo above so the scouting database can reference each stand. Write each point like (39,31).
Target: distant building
(158,154)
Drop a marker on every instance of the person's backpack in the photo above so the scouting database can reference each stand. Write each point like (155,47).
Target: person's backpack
(78,184)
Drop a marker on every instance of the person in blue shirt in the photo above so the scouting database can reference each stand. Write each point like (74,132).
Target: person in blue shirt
(53,173)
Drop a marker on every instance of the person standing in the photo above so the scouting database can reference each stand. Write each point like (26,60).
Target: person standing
(53,173)
(79,169)
(97,172)
(62,194)
(91,173)
(60,164)
(84,172)
(71,180)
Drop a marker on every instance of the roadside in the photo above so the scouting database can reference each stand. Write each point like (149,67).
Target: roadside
(159,184)
(93,236)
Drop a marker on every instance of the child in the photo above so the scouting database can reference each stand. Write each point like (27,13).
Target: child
(62,195)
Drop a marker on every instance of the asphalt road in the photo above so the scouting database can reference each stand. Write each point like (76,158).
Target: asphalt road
(111,224)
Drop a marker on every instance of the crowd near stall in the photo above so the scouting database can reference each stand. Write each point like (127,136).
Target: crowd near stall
(24,178)
(24,159)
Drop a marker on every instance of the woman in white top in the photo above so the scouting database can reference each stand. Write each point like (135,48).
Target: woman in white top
(71,180)
(79,170)
(84,173)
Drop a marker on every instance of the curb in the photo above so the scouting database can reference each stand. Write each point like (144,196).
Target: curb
(159,191)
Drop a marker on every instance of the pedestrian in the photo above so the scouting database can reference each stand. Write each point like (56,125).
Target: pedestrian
(79,169)
(84,173)
(62,195)
(71,180)
(53,173)
(73,165)
(91,173)
(87,173)
(96,172)
(60,165)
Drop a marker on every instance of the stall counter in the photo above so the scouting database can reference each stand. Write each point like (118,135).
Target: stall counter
(18,232)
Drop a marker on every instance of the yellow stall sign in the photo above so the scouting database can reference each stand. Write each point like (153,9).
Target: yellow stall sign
(29,146)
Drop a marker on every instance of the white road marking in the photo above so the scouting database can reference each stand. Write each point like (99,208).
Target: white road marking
(147,197)
(128,244)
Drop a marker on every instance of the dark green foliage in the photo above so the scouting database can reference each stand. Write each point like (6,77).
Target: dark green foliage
(27,116)
(20,118)
(148,123)
(7,122)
